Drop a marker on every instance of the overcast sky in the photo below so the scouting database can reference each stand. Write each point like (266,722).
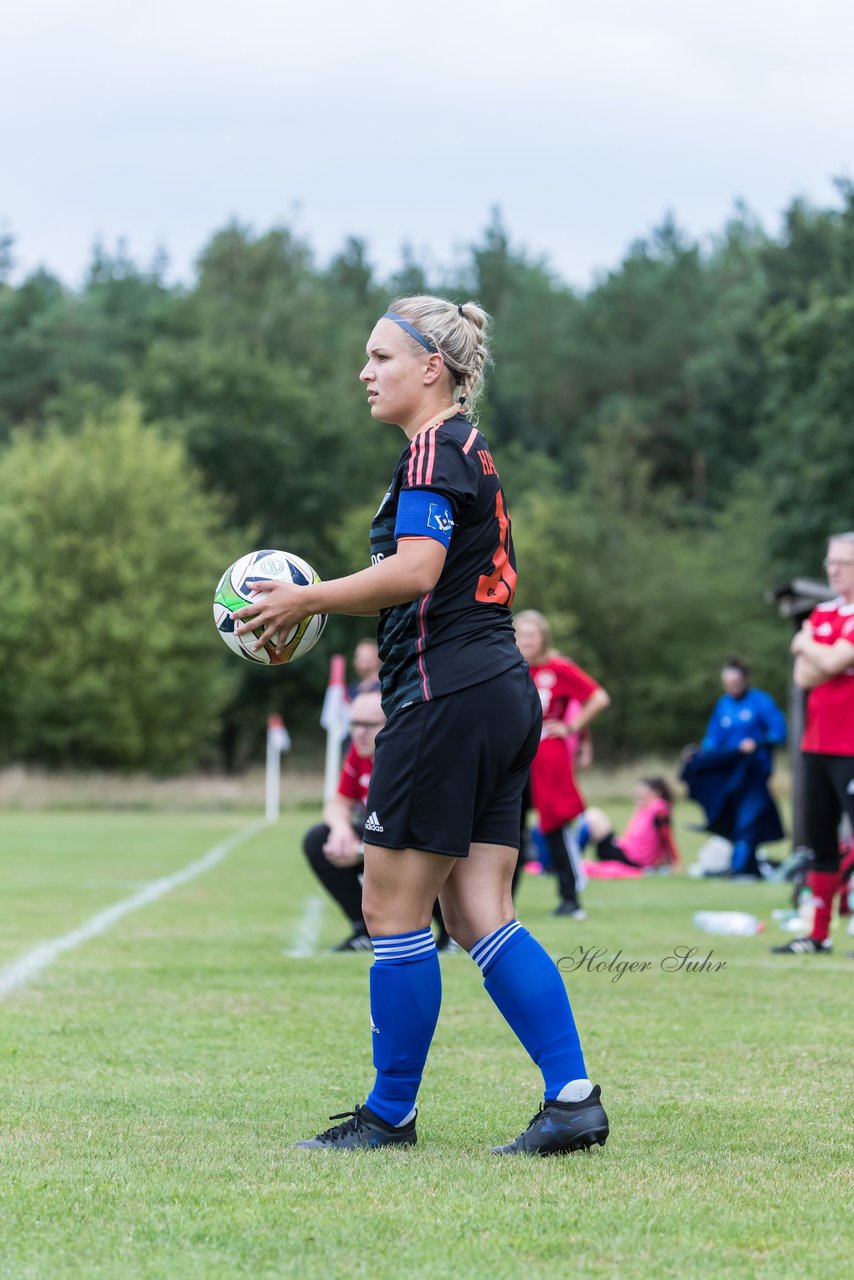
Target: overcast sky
(399,121)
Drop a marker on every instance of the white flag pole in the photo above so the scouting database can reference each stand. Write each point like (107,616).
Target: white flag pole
(278,740)
(336,721)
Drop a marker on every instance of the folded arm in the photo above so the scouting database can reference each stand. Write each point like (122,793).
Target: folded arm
(806,674)
(816,663)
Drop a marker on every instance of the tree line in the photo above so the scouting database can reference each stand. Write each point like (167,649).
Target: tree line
(673,441)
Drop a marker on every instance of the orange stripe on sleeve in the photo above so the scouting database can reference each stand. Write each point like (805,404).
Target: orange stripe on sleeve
(414,449)
(431,457)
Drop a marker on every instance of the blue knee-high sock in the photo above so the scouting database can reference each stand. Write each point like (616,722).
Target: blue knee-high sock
(581,831)
(525,984)
(406,992)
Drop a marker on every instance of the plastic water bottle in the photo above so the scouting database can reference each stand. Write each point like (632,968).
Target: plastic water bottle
(806,909)
(736,923)
(789,920)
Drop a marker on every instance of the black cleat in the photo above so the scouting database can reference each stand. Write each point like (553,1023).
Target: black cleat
(803,947)
(356,942)
(560,1127)
(570,907)
(361,1128)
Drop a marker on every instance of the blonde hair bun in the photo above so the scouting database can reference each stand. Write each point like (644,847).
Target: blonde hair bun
(460,333)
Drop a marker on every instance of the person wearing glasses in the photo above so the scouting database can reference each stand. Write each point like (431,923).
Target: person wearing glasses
(335,847)
(824,667)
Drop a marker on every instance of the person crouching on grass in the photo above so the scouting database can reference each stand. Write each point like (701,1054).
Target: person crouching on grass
(334,848)
(464,721)
(647,842)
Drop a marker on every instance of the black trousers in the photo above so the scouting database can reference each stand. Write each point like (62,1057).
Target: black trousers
(563,852)
(607,850)
(344,884)
(829,792)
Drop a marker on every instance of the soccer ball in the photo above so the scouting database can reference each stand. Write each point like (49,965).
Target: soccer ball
(237,587)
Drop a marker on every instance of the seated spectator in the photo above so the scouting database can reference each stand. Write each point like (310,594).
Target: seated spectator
(334,847)
(647,842)
(366,664)
(728,775)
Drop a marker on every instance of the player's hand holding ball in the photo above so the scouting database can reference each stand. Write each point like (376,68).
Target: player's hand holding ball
(260,608)
(275,610)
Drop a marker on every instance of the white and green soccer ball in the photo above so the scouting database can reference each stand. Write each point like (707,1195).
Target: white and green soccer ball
(238,586)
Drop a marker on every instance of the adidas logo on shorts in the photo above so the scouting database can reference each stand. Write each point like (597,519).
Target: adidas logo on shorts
(373,823)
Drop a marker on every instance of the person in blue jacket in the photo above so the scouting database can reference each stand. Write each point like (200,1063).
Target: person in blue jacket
(729,775)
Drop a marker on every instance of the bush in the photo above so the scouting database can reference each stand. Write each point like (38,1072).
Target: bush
(112,550)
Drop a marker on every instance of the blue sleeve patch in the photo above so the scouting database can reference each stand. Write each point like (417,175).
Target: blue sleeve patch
(422,514)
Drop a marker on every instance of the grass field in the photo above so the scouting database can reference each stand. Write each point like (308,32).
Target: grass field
(152,1078)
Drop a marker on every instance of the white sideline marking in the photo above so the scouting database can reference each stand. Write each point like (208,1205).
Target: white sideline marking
(32,962)
(115,884)
(308,931)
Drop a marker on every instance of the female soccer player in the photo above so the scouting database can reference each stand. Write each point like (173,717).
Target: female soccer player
(554,792)
(463,726)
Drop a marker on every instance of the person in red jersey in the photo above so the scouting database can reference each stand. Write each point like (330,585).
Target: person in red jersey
(463,727)
(554,791)
(824,667)
(334,847)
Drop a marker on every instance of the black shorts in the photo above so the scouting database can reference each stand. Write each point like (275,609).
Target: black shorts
(450,772)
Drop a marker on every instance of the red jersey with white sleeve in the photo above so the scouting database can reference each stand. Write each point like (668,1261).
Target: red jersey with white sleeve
(830,707)
(355,776)
(554,792)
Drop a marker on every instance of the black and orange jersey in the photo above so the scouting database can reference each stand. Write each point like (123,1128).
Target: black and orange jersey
(461,633)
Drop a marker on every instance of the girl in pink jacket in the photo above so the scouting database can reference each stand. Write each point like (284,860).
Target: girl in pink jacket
(647,841)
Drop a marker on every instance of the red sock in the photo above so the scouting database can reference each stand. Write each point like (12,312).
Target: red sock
(823,885)
(846,879)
